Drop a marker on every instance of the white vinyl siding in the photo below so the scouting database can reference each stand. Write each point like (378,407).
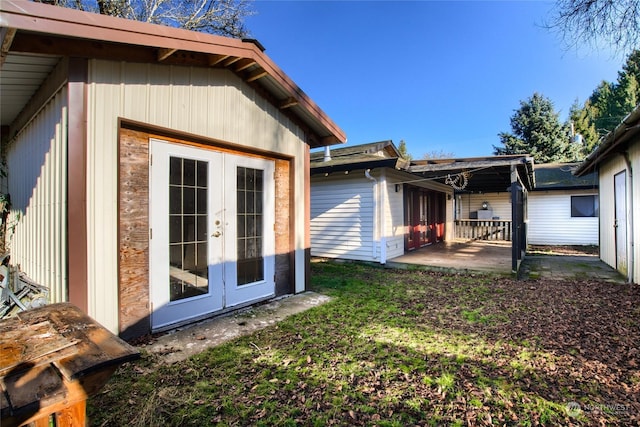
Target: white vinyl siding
(551,223)
(211,103)
(394,218)
(396,227)
(342,218)
(37,224)
(499,203)
(345,214)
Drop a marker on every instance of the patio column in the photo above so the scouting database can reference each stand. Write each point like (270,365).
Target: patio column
(516,218)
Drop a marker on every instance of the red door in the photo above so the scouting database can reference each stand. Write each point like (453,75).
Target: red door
(425,212)
(412,219)
(440,215)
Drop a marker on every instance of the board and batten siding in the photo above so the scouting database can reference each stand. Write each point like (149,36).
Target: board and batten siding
(608,170)
(607,208)
(342,217)
(550,221)
(634,156)
(37,183)
(211,103)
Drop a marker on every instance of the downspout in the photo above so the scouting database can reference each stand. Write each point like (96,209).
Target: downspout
(376,209)
(630,210)
(382,222)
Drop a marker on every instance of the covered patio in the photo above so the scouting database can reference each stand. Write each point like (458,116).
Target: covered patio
(476,255)
(490,238)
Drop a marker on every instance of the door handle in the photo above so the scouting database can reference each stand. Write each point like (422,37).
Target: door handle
(216,234)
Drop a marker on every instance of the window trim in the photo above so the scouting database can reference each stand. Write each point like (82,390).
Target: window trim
(576,213)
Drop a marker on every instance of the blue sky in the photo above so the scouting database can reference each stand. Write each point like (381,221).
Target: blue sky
(442,76)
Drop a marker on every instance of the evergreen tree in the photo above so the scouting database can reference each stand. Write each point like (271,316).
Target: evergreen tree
(625,95)
(536,130)
(583,126)
(610,102)
(402,148)
(601,102)
(632,65)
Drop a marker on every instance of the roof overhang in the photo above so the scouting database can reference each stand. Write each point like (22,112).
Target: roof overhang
(381,154)
(318,169)
(485,174)
(614,142)
(34,36)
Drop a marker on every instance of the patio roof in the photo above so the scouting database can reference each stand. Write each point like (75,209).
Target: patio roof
(35,36)
(485,174)
(559,176)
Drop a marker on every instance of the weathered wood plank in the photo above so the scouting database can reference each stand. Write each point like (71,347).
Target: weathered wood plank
(39,345)
(25,346)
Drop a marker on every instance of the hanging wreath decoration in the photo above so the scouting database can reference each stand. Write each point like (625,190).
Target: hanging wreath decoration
(458,181)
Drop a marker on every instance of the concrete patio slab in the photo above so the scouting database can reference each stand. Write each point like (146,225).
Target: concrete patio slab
(561,267)
(495,257)
(482,256)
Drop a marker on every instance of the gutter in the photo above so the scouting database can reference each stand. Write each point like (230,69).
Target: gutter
(613,139)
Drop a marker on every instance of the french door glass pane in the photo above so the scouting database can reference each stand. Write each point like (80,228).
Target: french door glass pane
(249,218)
(188,272)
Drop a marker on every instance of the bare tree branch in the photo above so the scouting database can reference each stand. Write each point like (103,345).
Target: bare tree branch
(614,23)
(223,17)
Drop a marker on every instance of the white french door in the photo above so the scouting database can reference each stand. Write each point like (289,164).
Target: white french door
(212,242)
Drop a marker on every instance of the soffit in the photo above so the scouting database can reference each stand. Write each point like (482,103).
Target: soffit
(482,175)
(21,77)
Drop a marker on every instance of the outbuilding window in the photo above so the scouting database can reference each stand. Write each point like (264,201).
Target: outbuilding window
(584,206)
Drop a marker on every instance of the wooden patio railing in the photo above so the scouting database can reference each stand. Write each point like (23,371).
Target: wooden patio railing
(483,229)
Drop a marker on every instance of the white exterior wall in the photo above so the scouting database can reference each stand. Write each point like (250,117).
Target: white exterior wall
(353,217)
(212,103)
(500,203)
(394,217)
(342,217)
(37,224)
(607,208)
(634,209)
(401,178)
(608,169)
(550,221)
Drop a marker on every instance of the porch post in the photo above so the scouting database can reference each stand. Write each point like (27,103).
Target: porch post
(515,218)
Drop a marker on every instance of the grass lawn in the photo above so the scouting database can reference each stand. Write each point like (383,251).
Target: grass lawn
(402,347)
